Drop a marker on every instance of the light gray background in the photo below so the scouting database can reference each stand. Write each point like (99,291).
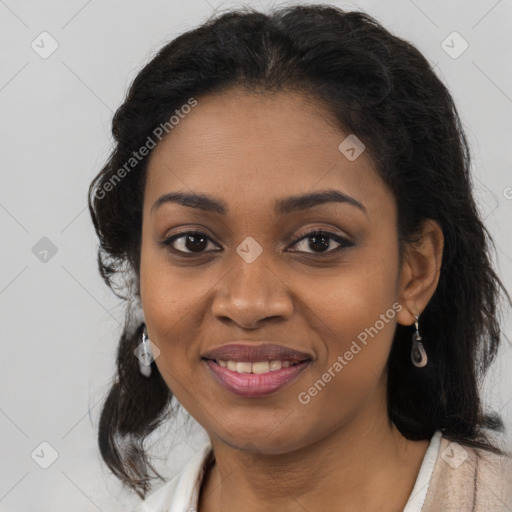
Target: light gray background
(59,322)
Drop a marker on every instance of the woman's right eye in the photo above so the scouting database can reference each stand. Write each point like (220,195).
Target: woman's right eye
(187,242)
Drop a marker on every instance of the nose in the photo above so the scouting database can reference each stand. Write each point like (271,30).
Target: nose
(251,293)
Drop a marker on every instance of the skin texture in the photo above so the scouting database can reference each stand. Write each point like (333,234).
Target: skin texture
(339,451)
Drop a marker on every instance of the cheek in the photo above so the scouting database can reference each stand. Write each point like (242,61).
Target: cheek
(169,300)
(169,293)
(355,295)
(355,316)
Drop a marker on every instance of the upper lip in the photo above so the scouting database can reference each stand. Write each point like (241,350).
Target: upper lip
(252,353)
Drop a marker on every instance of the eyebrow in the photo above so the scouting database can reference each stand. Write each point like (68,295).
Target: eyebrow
(281,207)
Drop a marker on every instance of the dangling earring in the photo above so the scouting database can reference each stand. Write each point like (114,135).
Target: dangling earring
(144,354)
(418,355)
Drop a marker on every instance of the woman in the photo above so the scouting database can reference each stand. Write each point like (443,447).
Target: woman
(289,199)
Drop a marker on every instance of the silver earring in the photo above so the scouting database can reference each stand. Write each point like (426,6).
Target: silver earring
(418,355)
(145,356)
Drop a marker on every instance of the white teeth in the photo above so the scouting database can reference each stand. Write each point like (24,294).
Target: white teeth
(275,365)
(243,367)
(257,367)
(261,367)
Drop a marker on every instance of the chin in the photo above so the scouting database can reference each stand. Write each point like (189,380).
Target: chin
(259,442)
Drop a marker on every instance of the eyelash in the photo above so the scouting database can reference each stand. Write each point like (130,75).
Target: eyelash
(344,242)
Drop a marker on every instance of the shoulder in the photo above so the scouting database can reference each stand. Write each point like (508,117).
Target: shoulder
(493,479)
(467,478)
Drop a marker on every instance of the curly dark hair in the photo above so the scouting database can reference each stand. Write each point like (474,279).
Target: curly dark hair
(376,86)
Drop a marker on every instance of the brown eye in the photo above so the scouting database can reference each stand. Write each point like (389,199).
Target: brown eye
(318,241)
(188,242)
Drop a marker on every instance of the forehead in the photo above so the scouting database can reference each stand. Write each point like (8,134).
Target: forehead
(245,146)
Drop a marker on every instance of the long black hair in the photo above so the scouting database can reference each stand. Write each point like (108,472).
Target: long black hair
(376,86)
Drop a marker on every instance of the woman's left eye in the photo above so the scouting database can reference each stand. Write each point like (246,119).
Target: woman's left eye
(195,242)
(321,239)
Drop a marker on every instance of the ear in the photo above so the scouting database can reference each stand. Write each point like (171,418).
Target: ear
(420,271)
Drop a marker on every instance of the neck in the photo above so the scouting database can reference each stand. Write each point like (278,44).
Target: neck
(364,465)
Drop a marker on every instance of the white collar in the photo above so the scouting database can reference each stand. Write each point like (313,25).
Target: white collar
(181,493)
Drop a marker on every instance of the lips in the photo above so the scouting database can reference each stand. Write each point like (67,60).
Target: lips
(251,371)
(249,385)
(253,353)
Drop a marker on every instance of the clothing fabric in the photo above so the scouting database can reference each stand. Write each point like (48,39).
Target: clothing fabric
(452,478)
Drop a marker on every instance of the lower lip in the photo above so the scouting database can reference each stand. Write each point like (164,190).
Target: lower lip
(252,384)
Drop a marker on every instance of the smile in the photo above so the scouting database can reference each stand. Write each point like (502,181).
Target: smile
(254,379)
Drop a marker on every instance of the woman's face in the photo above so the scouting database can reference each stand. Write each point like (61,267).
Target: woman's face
(253,276)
